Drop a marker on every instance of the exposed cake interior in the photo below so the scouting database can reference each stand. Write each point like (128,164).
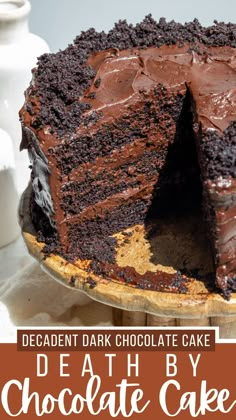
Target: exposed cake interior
(130,124)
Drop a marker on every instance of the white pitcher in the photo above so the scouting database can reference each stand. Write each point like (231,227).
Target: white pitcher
(9,227)
(19,50)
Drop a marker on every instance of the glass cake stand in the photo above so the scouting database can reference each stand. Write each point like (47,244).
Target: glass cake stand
(133,306)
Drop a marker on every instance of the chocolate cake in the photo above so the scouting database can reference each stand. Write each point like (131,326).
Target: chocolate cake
(127,124)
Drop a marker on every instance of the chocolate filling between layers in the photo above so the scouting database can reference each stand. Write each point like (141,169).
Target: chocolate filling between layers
(77,196)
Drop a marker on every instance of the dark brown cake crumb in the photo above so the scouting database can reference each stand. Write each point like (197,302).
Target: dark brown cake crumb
(92,95)
(218,157)
(97,83)
(92,283)
(72,281)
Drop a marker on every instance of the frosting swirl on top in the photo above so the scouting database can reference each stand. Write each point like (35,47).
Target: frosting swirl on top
(122,75)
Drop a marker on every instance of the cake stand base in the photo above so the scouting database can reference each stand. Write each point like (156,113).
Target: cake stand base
(226,324)
(199,306)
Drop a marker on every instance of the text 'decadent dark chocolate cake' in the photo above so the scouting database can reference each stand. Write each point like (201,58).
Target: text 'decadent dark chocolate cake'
(103,121)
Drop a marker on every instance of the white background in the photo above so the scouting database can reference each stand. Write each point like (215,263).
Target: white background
(59,21)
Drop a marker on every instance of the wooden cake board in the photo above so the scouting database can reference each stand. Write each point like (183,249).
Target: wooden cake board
(136,307)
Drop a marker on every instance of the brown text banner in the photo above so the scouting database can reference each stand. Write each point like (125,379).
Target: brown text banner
(116,340)
(118,384)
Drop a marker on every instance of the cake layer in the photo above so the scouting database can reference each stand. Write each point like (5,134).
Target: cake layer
(91,232)
(224,209)
(220,208)
(215,137)
(137,123)
(78,195)
(138,126)
(127,155)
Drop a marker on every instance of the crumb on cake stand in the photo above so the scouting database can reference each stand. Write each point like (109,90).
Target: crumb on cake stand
(197,305)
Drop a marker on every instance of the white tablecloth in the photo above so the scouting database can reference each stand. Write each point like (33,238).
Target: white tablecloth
(29,297)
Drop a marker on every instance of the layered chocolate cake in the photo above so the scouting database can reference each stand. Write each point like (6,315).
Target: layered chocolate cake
(127,124)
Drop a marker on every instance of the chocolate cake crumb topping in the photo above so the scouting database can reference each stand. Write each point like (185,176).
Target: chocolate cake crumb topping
(97,83)
(62,78)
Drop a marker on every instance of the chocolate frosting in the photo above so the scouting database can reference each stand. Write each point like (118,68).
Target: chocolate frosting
(40,174)
(211,77)
(223,198)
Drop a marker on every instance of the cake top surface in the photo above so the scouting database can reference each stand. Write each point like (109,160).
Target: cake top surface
(123,75)
(72,87)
